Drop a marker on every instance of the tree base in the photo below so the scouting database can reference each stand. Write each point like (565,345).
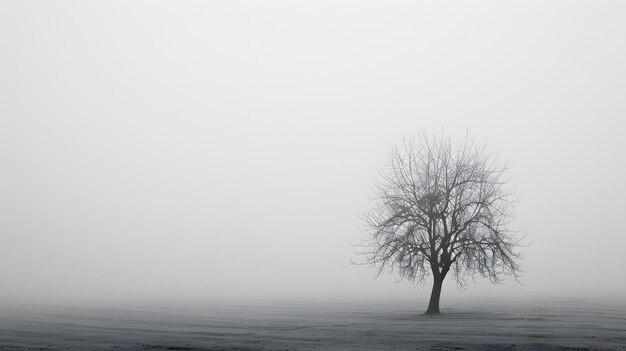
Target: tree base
(431,313)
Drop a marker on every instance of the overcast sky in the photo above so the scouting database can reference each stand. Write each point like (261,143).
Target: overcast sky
(224,149)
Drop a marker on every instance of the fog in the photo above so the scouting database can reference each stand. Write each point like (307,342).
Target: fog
(224,150)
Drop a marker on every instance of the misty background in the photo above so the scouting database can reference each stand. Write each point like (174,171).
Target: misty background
(223,150)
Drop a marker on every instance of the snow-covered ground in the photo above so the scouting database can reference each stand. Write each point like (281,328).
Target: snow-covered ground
(549,324)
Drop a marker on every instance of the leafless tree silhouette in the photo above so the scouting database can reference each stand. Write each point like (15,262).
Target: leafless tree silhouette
(442,206)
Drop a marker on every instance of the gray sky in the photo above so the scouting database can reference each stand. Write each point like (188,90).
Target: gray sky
(195,149)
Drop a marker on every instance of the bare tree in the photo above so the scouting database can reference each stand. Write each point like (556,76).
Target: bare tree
(442,206)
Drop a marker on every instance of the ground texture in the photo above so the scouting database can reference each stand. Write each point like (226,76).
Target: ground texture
(518,325)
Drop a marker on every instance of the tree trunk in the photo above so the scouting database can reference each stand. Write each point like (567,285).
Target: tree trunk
(433,305)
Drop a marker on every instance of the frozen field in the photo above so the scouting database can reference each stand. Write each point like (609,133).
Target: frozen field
(479,325)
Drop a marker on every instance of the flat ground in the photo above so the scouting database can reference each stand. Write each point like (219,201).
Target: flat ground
(556,324)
